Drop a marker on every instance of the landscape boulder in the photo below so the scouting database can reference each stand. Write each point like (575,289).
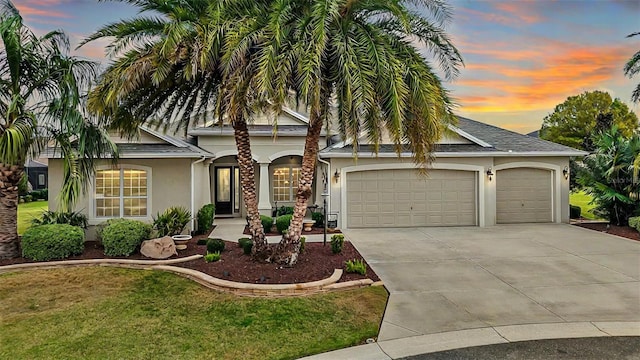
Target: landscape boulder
(160,248)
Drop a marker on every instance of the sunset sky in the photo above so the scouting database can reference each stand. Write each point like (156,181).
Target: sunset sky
(522,57)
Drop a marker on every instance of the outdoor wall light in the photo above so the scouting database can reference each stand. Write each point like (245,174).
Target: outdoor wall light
(490,174)
(565,172)
(336,175)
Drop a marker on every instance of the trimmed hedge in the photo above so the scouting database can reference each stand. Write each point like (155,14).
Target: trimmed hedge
(52,242)
(123,237)
(283,222)
(574,212)
(634,222)
(205,217)
(267,223)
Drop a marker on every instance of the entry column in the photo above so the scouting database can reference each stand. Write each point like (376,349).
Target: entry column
(264,201)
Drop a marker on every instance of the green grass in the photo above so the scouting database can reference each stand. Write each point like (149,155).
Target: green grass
(28,211)
(107,313)
(582,199)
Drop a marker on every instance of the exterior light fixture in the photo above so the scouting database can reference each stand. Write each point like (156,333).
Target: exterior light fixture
(490,174)
(565,172)
(336,175)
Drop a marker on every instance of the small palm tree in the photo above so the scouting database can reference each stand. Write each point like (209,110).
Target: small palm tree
(40,103)
(631,68)
(361,58)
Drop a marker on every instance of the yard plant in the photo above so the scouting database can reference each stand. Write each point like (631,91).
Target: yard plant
(205,217)
(124,237)
(52,242)
(172,221)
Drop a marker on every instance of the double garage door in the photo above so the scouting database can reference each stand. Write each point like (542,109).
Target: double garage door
(400,198)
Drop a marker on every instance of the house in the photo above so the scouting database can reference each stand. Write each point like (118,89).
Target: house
(482,175)
(37,173)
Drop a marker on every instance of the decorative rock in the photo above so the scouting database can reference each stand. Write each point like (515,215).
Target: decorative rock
(160,248)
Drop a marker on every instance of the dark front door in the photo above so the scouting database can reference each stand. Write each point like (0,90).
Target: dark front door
(227,190)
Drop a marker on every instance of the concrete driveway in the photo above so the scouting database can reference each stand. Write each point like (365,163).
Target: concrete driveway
(448,279)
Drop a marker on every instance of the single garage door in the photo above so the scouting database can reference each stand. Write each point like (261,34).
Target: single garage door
(400,198)
(523,195)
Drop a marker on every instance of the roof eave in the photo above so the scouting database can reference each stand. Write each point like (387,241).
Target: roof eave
(457,154)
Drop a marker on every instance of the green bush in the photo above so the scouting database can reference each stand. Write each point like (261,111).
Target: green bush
(303,242)
(243,241)
(205,217)
(356,266)
(39,194)
(74,218)
(285,210)
(172,221)
(28,198)
(215,245)
(337,242)
(54,241)
(100,227)
(319,218)
(574,211)
(212,257)
(202,242)
(267,223)
(122,237)
(634,222)
(246,248)
(283,222)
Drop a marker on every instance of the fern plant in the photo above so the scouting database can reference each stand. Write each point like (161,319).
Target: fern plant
(172,221)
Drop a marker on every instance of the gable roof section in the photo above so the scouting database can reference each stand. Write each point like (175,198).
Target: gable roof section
(487,140)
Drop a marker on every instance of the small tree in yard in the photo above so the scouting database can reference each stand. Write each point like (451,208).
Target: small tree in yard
(609,176)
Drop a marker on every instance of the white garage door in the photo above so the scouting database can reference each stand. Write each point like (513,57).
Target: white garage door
(397,198)
(523,196)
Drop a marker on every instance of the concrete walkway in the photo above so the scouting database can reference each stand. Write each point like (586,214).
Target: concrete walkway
(461,287)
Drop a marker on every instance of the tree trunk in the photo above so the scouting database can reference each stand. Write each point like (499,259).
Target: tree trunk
(289,247)
(9,178)
(247,180)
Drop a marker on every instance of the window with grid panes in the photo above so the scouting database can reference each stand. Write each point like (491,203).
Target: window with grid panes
(285,183)
(121,193)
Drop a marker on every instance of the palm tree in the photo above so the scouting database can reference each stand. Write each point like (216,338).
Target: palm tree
(363,57)
(176,67)
(631,68)
(40,102)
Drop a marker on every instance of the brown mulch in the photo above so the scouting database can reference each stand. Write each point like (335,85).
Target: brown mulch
(314,231)
(317,262)
(624,231)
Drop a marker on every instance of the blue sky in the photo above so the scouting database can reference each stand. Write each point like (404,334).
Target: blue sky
(522,57)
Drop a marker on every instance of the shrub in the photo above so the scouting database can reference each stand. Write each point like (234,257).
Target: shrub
(283,222)
(74,218)
(574,211)
(100,227)
(212,257)
(267,223)
(202,242)
(303,242)
(54,241)
(356,266)
(243,241)
(337,242)
(634,222)
(319,218)
(28,198)
(172,221)
(39,194)
(205,217)
(285,210)
(246,248)
(215,245)
(122,237)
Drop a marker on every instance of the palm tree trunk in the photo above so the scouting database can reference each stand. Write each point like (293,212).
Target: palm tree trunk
(289,247)
(248,183)
(9,178)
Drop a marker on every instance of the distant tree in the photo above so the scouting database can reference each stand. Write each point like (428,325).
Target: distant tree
(631,68)
(579,118)
(608,176)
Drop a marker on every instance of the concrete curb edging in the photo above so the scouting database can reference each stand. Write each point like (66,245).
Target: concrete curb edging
(430,343)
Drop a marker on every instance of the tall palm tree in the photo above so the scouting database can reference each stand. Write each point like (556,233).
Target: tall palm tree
(365,58)
(631,68)
(171,69)
(40,104)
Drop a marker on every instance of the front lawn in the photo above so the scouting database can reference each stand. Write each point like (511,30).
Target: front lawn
(81,313)
(28,211)
(582,199)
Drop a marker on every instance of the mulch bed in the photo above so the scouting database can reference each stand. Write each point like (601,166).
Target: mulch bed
(624,231)
(317,262)
(314,231)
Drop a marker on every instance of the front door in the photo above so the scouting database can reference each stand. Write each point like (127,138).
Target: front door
(227,190)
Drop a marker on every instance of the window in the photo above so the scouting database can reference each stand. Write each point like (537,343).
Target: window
(41,180)
(121,193)
(285,183)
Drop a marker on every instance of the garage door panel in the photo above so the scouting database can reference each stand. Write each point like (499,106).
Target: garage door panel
(523,195)
(403,198)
